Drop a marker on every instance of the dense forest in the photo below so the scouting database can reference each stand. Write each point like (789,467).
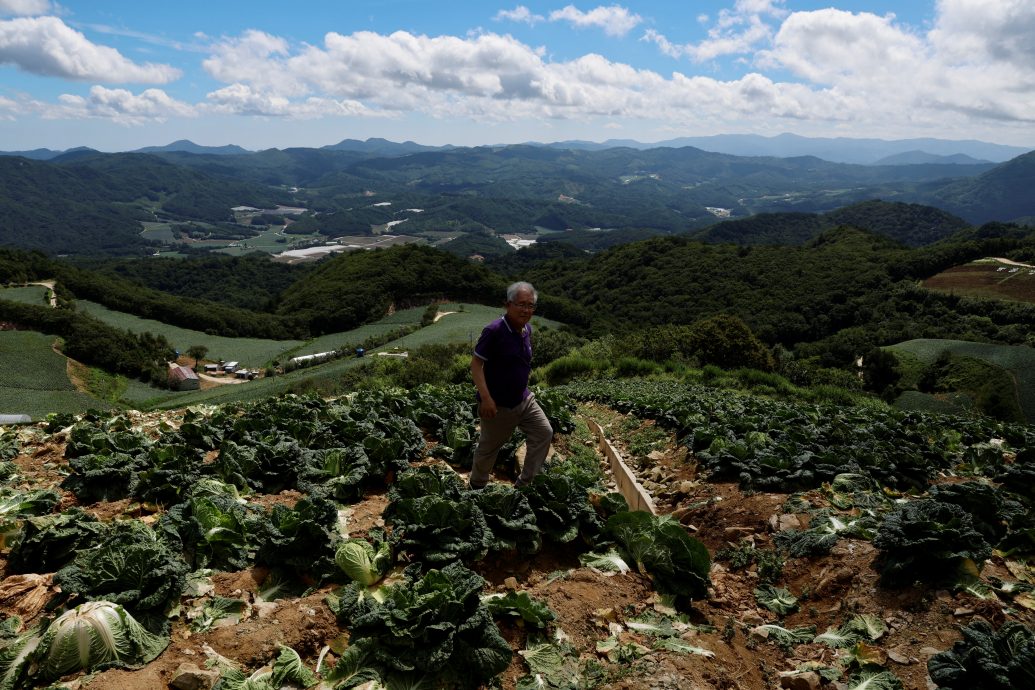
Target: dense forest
(835,296)
(89,203)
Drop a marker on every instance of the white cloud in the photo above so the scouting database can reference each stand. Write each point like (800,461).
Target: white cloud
(972,30)
(47,46)
(520,14)
(736,32)
(121,106)
(241,99)
(24,8)
(849,73)
(615,20)
(833,46)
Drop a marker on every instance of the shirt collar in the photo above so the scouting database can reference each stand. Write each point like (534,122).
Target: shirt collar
(524,329)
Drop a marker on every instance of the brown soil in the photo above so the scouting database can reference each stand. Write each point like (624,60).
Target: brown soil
(832,587)
(987,279)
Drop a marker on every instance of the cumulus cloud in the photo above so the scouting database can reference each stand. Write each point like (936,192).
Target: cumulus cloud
(24,8)
(736,31)
(969,30)
(519,14)
(48,47)
(962,69)
(241,99)
(122,106)
(489,78)
(615,20)
(847,72)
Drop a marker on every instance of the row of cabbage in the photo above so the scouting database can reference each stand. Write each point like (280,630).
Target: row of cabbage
(412,603)
(936,495)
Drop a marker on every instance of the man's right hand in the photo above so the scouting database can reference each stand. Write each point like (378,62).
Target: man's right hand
(487,408)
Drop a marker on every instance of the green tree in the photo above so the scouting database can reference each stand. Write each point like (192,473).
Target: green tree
(881,372)
(198,352)
(726,341)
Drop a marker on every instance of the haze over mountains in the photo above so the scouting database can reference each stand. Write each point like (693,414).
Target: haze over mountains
(836,150)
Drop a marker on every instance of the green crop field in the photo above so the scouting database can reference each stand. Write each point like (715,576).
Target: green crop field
(1017,360)
(272,241)
(30,294)
(464,325)
(250,352)
(33,378)
(352,339)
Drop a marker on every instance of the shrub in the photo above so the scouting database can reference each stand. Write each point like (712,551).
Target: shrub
(570,367)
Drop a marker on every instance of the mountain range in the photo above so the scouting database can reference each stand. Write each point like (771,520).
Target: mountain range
(836,150)
(611,196)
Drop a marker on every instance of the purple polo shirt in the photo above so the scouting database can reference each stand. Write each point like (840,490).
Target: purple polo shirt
(508,361)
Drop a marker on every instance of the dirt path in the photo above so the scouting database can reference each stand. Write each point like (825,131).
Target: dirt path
(50,285)
(1011,262)
(221,380)
(443,313)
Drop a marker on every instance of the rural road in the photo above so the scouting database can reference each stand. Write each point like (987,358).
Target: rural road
(1011,262)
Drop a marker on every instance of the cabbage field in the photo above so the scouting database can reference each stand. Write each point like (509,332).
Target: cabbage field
(308,543)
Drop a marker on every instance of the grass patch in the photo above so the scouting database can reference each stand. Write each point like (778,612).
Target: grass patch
(250,352)
(1017,361)
(28,294)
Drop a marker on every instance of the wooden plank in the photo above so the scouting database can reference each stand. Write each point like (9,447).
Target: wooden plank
(635,495)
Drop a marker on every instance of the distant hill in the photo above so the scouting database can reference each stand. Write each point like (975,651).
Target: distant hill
(382,147)
(914,225)
(35,154)
(1003,193)
(187,146)
(838,150)
(86,202)
(923,158)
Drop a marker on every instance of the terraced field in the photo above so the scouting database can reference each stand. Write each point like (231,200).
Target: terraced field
(1017,360)
(34,379)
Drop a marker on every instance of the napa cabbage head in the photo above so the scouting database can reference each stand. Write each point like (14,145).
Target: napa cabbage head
(95,635)
(362,562)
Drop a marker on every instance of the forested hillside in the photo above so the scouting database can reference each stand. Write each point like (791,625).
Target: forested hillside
(85,202)
(88,202)
(914,225)
(844,292)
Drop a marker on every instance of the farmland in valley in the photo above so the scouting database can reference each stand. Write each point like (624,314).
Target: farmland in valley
(250,352)
(987,278)
(34,379)
(1017,360)
(29,294)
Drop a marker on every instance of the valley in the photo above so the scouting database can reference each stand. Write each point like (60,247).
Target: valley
(810,368)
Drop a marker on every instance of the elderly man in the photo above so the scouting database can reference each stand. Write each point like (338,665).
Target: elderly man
(500,367)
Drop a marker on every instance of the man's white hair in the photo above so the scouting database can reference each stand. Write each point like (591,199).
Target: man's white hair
(521,286)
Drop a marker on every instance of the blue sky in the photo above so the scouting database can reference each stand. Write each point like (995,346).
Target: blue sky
(118,75)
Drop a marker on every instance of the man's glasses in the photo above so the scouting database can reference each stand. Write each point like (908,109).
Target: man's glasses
(530,306)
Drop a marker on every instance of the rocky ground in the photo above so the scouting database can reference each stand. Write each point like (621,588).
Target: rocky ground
(590,606)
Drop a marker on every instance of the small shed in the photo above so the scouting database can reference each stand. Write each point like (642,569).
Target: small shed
(243,374)
(183,378)
(211,368)
(231,367)
(15,419)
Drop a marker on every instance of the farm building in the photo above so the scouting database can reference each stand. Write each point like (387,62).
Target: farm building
(231,367)
(15,419)
(211,368)
(183,379)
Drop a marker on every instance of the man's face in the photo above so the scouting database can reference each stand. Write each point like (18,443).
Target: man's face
(520,310)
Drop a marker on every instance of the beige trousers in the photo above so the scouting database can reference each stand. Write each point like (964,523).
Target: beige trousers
(530,419)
